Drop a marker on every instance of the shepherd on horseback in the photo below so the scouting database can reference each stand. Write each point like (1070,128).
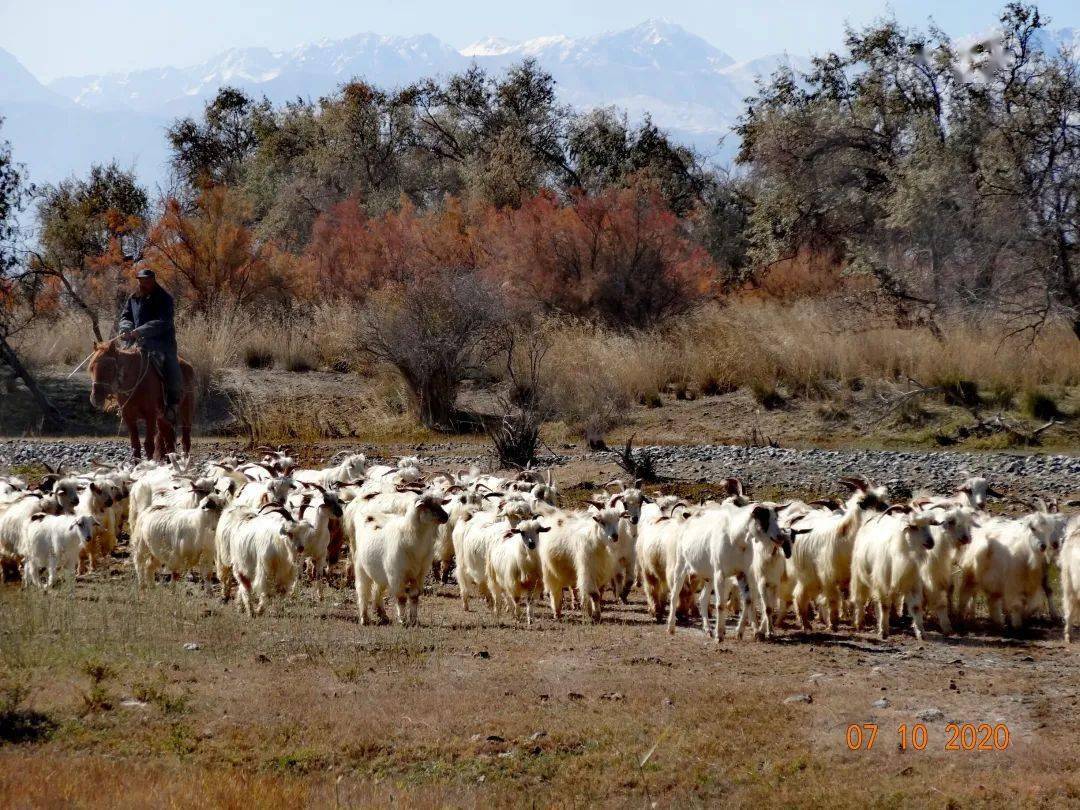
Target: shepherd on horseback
(151,383)
(147,319)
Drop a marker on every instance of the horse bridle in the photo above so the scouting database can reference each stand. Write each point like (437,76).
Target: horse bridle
(130,392)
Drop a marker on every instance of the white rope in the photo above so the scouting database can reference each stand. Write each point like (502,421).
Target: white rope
(83,363)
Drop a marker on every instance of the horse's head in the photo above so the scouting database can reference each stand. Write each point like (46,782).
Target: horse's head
(104,371)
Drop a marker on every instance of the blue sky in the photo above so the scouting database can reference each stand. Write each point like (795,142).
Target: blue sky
(64,37)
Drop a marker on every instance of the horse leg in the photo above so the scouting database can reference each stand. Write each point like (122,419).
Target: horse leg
(166,438)
(149,443)
(133,433)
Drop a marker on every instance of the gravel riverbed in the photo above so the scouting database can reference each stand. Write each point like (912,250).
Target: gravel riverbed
(780,468)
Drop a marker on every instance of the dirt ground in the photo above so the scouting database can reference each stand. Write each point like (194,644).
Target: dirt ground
(141,699)
(305,408)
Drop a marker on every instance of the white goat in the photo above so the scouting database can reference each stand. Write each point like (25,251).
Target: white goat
(718,543)
(937,569)
(263,553)
(632,500)
(475,532)
(513,567)
(820,564)
(179,538)
(348,470)
(392,554)
(59,497)
(1006,562)
(317,507)
(657,534)
(1070,576)
(577,553)
(886,565)
(53,542)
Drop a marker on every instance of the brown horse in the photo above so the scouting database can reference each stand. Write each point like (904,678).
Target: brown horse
(128,376)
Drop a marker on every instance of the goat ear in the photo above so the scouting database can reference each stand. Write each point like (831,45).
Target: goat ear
(598,519)
(762,515)
(543,529)
(508,534)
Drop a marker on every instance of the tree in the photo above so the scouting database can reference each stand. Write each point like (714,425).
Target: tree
(505,135)
(437,332)
(92,230)
(607,152)
(210,258)
(620,256)
(213,151)
(19,292)
(352,254)
(357,144)
(951,178)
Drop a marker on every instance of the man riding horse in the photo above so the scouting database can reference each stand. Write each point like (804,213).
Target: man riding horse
(147,319)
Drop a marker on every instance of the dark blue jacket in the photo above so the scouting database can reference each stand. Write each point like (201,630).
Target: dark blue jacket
(151,317)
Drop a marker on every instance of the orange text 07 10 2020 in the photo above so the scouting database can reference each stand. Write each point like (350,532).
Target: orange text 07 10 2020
(916,737)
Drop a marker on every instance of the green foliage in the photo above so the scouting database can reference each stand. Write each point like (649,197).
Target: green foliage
(13,194)
(605,151)
(943,174)
(1039,405)
(18,724)
(213,151)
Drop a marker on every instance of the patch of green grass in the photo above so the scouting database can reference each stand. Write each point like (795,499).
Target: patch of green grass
(1039,405)
(157,694)
(19,724)
(97,699)
(767,396)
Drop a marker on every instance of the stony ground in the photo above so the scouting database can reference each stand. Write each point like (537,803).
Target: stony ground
(771,469)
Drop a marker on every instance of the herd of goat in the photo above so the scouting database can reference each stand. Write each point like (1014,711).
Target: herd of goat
(263,526)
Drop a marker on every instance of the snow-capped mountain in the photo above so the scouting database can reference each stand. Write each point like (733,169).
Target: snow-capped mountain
(309,71)
(690,87)
(687,85)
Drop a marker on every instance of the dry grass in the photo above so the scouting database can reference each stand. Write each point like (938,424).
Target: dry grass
(306,707)
(769,348)
(593,377)
(309,410)
(62,341)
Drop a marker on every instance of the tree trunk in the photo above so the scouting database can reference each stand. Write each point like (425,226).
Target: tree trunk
(436,402)
(1076,326)
(52,416)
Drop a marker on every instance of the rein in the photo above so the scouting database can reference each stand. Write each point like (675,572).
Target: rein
(131,391)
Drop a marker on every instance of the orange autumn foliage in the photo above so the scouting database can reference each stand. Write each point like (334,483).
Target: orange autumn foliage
(352,255)
(211,259)
(620,256)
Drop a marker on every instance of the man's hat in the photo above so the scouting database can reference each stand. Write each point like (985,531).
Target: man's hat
(145,273)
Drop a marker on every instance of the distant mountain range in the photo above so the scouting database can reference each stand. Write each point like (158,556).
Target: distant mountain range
(691,88)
